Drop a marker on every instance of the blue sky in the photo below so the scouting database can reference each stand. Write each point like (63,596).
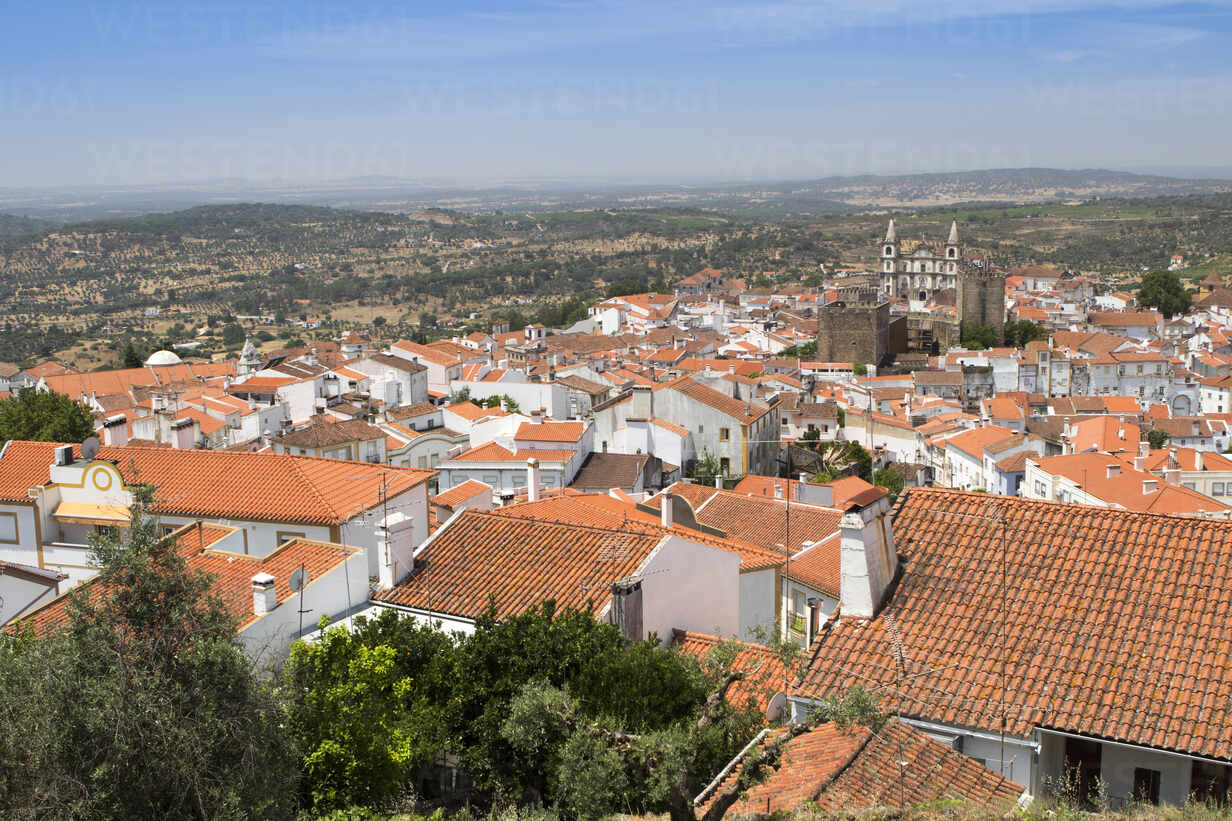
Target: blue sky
(122,92)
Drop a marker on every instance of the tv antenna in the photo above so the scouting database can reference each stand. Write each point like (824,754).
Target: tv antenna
(297,582)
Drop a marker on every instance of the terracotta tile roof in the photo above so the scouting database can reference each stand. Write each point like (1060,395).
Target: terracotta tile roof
(764,671)
(569,506)
(460,493)
(1125,488)
(742,411)
(429,354)
(550,431)
(603,471)
(323,433)
(409,411)
(472,412)
(495,452)
(517,563)
(262,384)
(840,771)
(1119,319)
(973,442)
(584,385)
(758,520)
(232,572)
(1117,625)
(1105,433)
(221,484)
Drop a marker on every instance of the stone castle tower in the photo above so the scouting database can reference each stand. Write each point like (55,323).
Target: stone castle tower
(981,296)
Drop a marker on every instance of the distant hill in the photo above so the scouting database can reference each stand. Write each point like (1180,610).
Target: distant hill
(12,225)
(766,200)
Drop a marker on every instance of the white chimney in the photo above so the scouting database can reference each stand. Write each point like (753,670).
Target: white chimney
(665,511)
(1149,486)
(642,404)
(64,455)
(532,480)
(1199,460)
(1114,470)
(718,481)
(1139,463)
(264,597)
(867,560)
(778,490)
(395,541)
(536,417)
(1144,448)
(115,431)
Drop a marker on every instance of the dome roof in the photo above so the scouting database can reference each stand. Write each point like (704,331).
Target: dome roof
(163,358)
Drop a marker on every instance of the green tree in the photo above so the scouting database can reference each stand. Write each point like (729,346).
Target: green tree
(980,337)
(365,708)
(143,705)
(232,335)
(44,416)
(890,478)
(1157,438)
(859,369)
(1163,291)
(636,684)
(132,358)
(1018,334)
(705,468)
(838,459)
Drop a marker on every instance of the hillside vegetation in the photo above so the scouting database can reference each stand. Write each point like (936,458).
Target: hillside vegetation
(435,267)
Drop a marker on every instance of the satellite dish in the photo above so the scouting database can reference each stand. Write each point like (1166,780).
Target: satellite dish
(298,579)
(89,448)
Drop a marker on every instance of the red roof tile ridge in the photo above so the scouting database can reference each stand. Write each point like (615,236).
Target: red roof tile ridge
(500,514)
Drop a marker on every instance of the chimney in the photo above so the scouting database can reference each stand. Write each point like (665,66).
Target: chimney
(115,431)
(1149,486)
(665,510)
(1144,448)
(536,417)
(1140,463)
(1199,460)
(395,539)
(1113,470)
(718,481)
(532,480)
(264,597)
(642,404)
(778,490)
(868,560)
(64,455)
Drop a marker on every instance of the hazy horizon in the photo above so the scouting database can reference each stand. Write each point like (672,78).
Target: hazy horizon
(636,92)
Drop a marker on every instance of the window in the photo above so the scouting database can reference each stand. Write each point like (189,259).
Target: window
(701,428)
(1146,785)
(725,466)
(421,462)
(796,618)
(284,536)
(8,528)
(724,434)
(1041,490)
(1209,781)
(107,531)
(1188,485)
(1217,488)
